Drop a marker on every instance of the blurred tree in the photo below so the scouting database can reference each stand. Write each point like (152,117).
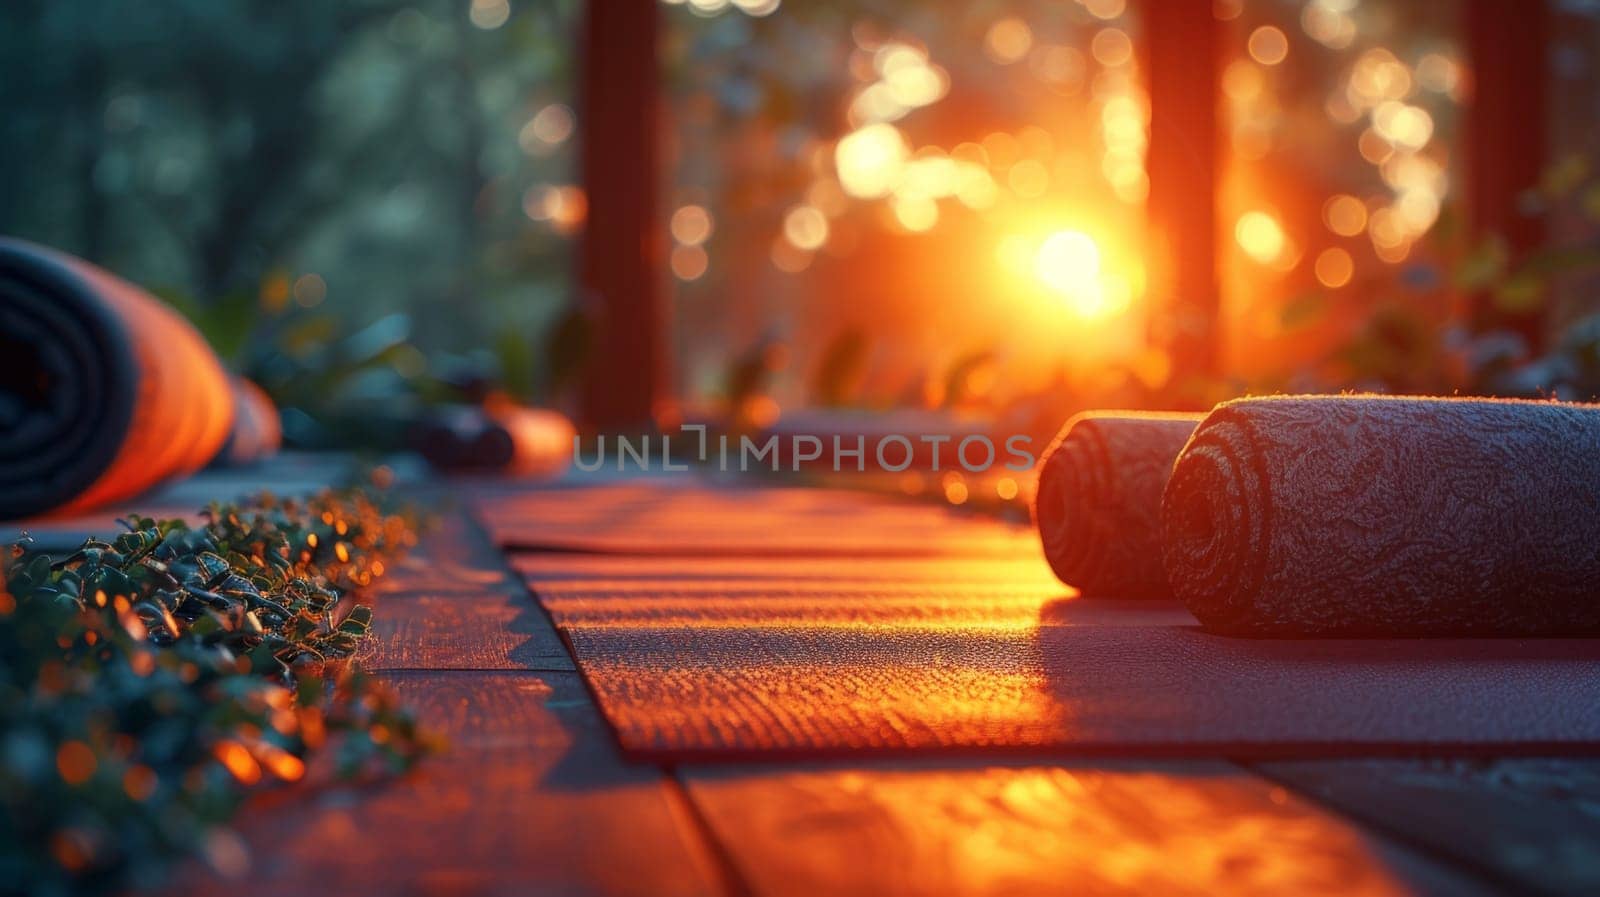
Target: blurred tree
(207,147)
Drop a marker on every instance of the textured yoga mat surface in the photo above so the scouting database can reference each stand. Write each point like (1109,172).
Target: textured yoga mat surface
(733,676)
(1378,516)
(729,656)
(1099,503)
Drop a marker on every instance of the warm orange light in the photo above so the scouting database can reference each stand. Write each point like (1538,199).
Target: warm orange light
(1268,45)
(1008,40)
(691,225)
(1373,147)
(1111,47)
(75,762)
(1242,80)
(238,761)
(1328,24)
(1334,267)
(1345,215)
(1410,127)
(565,207)
(788,258)
(915,213)
(1260,236)
(1439,73)
(758,8)
(805,227)
(1105,9)
(869,160)
(550,127)
(688,262)
(1029,178)
(1068,261)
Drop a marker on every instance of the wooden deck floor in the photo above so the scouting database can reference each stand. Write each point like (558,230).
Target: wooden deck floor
(556,785)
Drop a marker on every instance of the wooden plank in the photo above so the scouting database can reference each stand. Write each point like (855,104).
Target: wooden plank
(550,568)
(704,690)
(649,518)
(1532,825)
(453,555)
(1041,828)
(531,799)
(472,631)
(621,255)
(454,604)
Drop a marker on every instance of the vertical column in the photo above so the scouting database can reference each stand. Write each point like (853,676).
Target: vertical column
(621,250)
(1506,131)
(1182,43)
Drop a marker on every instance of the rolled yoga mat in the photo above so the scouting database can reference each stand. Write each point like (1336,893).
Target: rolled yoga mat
(1099,501)
(1367,516)
(104,390)
(257,432)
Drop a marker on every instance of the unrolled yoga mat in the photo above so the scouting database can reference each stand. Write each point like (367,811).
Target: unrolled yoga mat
(1098,508)
(680,517)
(700,669)
(693,656)
(1374,516)
(104,391)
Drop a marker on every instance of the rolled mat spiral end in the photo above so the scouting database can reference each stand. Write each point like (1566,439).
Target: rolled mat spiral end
(104,390)
(1375,516)
(1099,500)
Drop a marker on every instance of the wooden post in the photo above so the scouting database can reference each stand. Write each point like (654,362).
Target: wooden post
(620,266)
(1182,46)
(1506,130)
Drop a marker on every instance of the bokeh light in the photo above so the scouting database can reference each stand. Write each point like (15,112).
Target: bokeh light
(1261,236)
(1345,215)
(869,160)
(805,227)
(690,225)
(1334,267)
(1008,40)
(1268,45)
(688,262)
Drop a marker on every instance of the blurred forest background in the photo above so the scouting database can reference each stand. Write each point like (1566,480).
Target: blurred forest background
(873,203)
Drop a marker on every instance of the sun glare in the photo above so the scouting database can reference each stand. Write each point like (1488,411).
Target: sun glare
(1070,263)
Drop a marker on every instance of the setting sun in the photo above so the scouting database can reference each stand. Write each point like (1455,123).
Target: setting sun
(1069,261)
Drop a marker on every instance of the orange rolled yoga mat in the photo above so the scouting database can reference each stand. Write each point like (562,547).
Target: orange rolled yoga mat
(1373,516)
(104,390)
(1099,501)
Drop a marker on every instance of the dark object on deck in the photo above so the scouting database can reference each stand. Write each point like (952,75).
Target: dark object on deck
(104,391)
(257,432)
(1374,516)
(495,438)
(1099,504)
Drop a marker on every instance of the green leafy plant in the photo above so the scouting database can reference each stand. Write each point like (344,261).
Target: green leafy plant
(148,681)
